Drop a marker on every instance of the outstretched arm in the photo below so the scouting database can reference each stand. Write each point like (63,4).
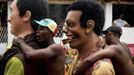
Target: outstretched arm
(120,61)
(45,53)
(116,52)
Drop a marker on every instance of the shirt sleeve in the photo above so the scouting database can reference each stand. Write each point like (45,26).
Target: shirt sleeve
(103,68)
(14,67)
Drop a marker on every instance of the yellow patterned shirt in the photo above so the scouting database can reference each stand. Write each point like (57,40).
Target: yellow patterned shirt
(71,57)
(101,67)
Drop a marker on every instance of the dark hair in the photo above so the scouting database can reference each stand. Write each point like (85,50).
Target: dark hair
(90,11)
(38,9)
(116,30)
(117,34)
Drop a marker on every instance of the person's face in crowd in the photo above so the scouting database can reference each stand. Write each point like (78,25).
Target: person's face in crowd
(43,34)
(107,39)
(110,38)
(73,30)
(14,19)
(18,23)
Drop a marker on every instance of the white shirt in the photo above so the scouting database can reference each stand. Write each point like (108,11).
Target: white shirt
(120,22)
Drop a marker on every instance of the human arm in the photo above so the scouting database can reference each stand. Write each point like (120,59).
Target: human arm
(45,53)
(116,52)
(120,61)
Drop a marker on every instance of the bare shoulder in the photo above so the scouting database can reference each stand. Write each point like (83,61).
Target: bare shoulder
(57,48)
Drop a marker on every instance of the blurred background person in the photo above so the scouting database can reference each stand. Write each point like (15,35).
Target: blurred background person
(117,32)
(120,22)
